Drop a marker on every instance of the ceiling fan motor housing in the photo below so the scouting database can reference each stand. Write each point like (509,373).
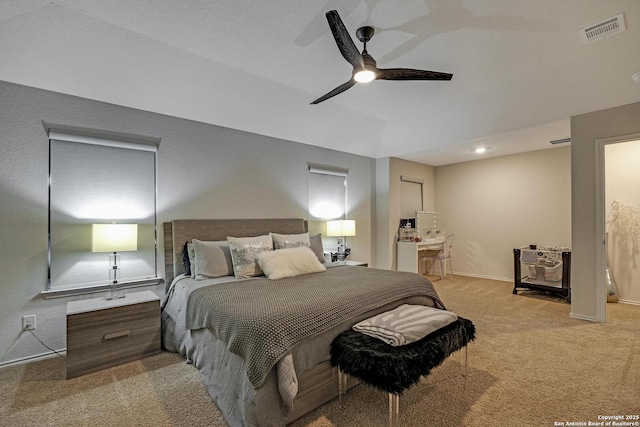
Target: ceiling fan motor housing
(364,34)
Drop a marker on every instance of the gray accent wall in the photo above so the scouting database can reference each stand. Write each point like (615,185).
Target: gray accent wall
(204,171)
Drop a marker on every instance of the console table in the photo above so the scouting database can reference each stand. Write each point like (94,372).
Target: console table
(409,253)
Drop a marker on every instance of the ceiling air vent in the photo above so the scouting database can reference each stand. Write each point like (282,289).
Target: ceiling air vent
(603,29)
(560,141)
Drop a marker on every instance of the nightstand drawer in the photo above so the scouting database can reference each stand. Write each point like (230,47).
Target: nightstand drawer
(108,337)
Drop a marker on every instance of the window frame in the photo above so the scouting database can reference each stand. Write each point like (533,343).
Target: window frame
(104,139)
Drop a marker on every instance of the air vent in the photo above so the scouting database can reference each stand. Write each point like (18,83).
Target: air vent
(603,29)
(560,141)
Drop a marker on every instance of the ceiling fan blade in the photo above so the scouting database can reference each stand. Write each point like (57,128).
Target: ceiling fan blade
(345,44)
(336,91)
(410,74)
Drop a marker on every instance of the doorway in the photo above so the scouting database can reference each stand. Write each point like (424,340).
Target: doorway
(618,222)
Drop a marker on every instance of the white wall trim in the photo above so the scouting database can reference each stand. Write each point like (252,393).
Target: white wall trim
(480,276)
(626,301)
(34,358)
(582,317)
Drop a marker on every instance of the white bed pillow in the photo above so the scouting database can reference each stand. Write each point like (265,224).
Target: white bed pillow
(244,252)
(405,324)
(289,262)
(284,241)
(212,259)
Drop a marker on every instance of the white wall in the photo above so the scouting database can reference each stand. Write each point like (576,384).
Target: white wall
(586,129)
(389,171)
(204,171)
(498,204)
(622,184)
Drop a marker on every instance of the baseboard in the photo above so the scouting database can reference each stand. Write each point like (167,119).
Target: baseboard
(480,276)
(626,301)
(583,317)
(34,358)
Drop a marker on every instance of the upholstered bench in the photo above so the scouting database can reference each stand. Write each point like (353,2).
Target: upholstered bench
(396,368)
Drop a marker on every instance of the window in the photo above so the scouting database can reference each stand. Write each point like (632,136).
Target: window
(97,180)
(327,192)
(327,200)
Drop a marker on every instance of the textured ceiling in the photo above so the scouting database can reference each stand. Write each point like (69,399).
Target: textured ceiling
(519,67)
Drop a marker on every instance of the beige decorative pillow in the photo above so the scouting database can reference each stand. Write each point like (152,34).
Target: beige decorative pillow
(315,243)
(212,259)
(283,241)
(244,252)
(289,262)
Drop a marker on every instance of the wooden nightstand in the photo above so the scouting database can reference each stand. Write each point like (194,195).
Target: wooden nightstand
(104,333)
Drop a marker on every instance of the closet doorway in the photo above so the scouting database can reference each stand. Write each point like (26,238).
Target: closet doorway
(619,220)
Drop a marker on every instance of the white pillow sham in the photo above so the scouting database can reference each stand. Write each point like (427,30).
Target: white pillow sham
(289,262)
(284,241)
(212,259)
(244,252)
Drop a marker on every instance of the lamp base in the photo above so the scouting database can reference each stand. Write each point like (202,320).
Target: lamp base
(114,292)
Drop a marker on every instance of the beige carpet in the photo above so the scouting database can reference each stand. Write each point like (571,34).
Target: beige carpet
(532,365)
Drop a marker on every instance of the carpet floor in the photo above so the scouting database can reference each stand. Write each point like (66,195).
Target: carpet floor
(531,365)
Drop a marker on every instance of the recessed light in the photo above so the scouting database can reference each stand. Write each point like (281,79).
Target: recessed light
(636,77)
(480,150)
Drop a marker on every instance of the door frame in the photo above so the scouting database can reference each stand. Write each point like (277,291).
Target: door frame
(601,263)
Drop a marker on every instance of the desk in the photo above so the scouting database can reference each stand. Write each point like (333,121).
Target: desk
(409,253)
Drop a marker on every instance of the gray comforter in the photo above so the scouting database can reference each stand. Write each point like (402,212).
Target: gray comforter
(262,320)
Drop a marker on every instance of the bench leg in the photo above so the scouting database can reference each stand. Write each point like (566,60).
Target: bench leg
(394,410)
(342,385)
(464,360)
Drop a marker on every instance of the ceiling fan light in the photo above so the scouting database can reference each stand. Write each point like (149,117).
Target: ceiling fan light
(364,76)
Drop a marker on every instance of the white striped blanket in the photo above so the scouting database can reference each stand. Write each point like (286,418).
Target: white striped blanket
(405,324)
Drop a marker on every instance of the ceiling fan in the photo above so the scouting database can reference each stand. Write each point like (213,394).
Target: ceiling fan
(364,66)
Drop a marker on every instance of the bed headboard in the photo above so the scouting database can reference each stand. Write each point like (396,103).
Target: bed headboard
(179,231)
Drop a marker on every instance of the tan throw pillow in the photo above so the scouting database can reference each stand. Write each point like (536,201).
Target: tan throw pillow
(244,253)
(212,259)
(315,243)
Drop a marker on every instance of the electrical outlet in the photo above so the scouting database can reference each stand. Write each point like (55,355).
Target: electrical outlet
(28,322)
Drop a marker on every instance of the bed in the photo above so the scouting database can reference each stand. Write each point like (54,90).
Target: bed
(267,386)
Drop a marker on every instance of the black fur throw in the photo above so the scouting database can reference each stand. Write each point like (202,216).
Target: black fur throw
(395,369)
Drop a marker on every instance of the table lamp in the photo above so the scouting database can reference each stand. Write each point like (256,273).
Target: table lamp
(342,228)
(114,238)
